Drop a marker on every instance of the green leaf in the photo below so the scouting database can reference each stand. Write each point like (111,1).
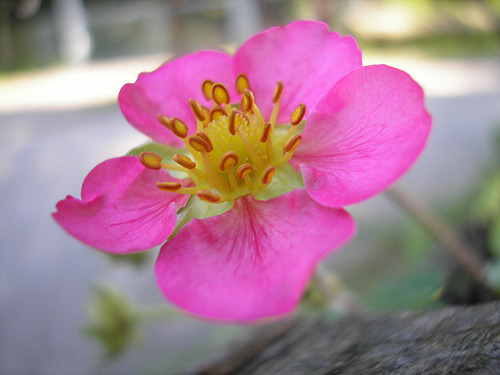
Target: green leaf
(285,180)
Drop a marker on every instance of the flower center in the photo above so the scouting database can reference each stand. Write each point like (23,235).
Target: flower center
(235,151)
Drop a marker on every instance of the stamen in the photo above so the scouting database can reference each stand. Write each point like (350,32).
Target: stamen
(243,170)
(234,122)
(206,88)
(229,159)
(184,161)
(197,110)
(266,132)
(268,174)
(150,160)
(298,115)
(198,143)
(204,136)
(169,186)
(292,143)
(251,149)
(247,101)
(242,83)
(208,196)
(220,94)
(216,113)
(164,120)
(178,127)
(278,92)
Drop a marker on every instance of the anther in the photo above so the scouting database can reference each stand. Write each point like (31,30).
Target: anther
(292,143)
(169,186)
(266,132)
(206,87)
(235,121)
(205,137)
(298,114)
(278,92)
(184,161)
(164,120)
(208,196)
(150,160)
(198,143)
(247,101)
(197,110)
(229,159)
(242,83)
(268,174)
(243,170)
(178,127)
(220,94)
(216,113)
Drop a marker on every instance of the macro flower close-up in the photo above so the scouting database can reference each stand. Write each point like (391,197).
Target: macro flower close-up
(253,157)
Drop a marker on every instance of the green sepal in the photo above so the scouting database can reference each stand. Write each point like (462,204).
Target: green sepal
(195,208)
(285,180)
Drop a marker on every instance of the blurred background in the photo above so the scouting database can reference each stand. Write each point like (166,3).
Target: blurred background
(66,309)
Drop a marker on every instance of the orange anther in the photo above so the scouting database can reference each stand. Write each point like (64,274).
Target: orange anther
(233,123)
(197,110)
(198,143)
(206,88)
(184,161)
(205,137)
(243,170)
(268,174)
(169,186)
(278,92)
(216,113)
(220,94)
(298,114)
(150,160)
(164,120)
(229,159)
(292,143)
(266,132)
(247,101)
(208,196)
(242,83)
(178,127)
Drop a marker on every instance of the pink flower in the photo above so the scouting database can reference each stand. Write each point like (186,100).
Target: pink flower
(245,229)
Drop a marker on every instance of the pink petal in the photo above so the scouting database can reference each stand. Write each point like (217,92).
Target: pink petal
(304,55)
(364,134)
(121,209)
(252,262)
(167,90)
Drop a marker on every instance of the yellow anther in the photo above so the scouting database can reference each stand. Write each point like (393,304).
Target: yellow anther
(206,87)
(242,83)
(298,114)
(220,94)
(216,113)
(278,92)
(197,110)
(229,159)
(243,170)
(235,121)
(150,160)
(184,161)
(208,196)
(292,143)
(169,186)
(178,127)
(198,143)
(247,101)
(268,174)
(266,132)
(164,120)
(205,137)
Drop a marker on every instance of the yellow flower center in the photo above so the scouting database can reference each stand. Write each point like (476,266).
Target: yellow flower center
(235,151)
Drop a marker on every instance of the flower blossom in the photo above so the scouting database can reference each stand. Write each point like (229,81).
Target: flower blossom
(254,156)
